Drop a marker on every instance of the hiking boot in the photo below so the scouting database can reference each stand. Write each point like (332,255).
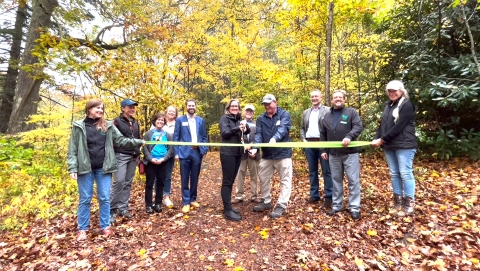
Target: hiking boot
(124,214)
(312,201)
(262,207)
(195,204)
(113,216)
(407,207)
(107,232)
(255,199)
(277,212)
(186,209)
(333,212)
(237,200)
(157,208)
(327,204)
(82,236)
(397,203)
(355,215)
(149,210)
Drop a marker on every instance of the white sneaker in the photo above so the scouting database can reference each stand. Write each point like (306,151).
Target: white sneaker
(167,202)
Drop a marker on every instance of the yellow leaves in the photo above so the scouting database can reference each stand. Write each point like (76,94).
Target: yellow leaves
(229,262)
(238,268)
(201,257)
(439,264)
(372,232)
(264,233)
(211,258)
(360,264)
(244,234)
(252,251)
(141,252)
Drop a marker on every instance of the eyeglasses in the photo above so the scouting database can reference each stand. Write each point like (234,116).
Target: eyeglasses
(234,106)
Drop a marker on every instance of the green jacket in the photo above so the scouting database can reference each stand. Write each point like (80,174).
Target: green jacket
(78,159)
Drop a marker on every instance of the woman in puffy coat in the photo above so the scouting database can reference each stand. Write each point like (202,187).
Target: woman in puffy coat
(91,158)
(396,135)
(231,131)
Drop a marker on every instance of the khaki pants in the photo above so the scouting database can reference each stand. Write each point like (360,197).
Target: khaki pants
(252,166)
(266,170)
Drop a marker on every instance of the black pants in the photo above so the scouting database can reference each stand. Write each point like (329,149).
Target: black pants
(230,165)
(153,171)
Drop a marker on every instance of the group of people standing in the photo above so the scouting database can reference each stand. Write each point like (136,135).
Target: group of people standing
(100,148)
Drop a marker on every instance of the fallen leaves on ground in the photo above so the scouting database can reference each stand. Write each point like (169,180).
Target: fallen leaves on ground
(443,235)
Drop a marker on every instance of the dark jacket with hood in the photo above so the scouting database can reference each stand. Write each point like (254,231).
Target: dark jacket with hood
(231,133)
(278,127)
(348,125)
(399,133)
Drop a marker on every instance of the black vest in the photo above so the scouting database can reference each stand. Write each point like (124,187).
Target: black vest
(129,129)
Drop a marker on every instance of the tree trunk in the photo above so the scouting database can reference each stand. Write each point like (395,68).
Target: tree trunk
(328,53)
(12,72)
(472,41)
(26,94)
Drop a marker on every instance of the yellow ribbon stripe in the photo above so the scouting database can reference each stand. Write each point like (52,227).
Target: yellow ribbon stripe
(315,144)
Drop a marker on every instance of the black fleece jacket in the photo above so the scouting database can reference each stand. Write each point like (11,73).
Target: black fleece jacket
(96,143)
(349,125)
(399,134)
(230,132)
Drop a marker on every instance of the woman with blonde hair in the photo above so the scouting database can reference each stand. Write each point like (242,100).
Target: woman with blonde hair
(396,135)
(91,158)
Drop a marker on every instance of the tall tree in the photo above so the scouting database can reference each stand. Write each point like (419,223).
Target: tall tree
(10,82)
(29,81)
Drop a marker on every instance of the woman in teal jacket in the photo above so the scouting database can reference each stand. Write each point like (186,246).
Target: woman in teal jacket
(91,158)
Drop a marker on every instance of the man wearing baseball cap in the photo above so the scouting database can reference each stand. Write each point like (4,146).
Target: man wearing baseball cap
(127,161)
(274,126)
(249,161)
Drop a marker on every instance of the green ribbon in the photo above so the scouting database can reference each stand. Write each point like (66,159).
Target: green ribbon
(310,144)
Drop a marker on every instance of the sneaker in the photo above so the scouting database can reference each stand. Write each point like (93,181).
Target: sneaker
(262,207)
(195,204)
(157,208)
(167,202)
(82,236)
(186,209)
(124,214)
(277,212)
(327,203)
(107,232)
(149,210)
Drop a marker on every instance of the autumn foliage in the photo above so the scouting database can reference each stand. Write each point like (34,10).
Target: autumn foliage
(443,234)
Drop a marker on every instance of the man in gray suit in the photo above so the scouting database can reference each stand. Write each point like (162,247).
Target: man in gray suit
(249,161)
(312,119)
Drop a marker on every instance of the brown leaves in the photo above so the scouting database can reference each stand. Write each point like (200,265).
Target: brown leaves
(443,234)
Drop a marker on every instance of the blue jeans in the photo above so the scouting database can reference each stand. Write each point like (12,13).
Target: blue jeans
(189,172)
(400,164)
(167,187)
(313,155)
(85,192)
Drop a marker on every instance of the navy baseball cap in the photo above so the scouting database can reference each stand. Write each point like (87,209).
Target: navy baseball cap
(127,102)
